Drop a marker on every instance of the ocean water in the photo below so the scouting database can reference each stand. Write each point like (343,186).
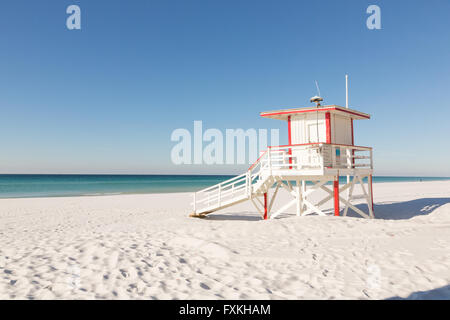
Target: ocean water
(26,186)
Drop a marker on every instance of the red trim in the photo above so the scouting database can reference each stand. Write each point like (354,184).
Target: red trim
(289,131)
(289,139)
(315,110)
(265,206)
(336,197)
(353,141)
(328,126)
(257,160)
(305,144)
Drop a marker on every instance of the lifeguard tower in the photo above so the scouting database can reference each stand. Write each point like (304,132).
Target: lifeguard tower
(320,150)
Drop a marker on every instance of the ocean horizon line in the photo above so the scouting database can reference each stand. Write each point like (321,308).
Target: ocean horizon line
(66,185)
(184,174)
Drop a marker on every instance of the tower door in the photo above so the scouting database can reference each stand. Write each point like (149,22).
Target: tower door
(316,132)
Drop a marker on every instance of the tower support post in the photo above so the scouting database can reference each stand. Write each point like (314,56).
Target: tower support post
(265,206)
(371,191)
(299,198)
(336,196)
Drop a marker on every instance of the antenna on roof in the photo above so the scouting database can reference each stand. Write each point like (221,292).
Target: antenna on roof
(316,99)
(317,87)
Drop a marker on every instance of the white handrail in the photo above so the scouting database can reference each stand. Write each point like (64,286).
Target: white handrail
(224,182)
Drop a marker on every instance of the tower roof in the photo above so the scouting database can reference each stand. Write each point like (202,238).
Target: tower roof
(284,113)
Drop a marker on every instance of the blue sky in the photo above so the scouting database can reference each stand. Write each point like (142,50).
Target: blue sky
(106,98)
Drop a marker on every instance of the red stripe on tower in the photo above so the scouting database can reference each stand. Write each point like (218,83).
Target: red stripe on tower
(289,140)
(328,126)
(289,131)
(353,141)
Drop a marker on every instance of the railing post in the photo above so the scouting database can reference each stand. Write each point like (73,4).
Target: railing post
(247,183)
(220,193)
(269,159)
(321,156)
(371,159)
(333,156)
(349,153)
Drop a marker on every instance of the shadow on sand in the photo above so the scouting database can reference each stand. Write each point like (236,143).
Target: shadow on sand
(442,293)
(387,211)
(403,210)
(243,216)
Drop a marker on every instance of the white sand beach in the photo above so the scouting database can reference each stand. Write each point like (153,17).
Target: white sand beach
(146,247)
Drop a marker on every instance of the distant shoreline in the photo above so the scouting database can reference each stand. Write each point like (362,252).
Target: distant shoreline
(175,175)
(56,186)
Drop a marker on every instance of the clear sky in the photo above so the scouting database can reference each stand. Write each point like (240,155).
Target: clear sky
(106,98)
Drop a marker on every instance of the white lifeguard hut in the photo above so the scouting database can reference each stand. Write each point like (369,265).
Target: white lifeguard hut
(320,149)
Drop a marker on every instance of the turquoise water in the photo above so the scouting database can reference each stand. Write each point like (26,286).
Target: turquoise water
(25,186)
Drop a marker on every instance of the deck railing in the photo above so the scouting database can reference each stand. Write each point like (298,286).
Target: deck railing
(289,157)
(315,156)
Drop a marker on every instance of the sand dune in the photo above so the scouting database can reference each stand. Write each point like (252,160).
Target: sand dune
(145,247)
